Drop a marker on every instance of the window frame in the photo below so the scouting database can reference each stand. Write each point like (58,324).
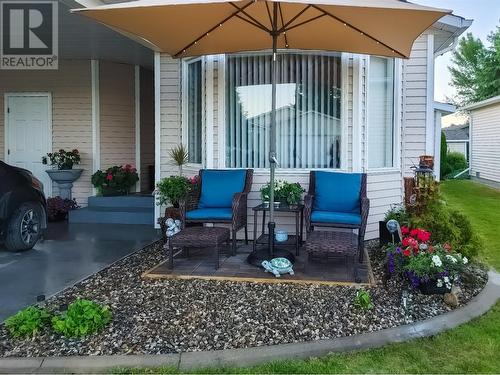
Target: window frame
(344,110)
(396,118)
(184,114)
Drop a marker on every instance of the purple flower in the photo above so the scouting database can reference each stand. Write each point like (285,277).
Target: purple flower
(398,250)
(390,263)
(415,280)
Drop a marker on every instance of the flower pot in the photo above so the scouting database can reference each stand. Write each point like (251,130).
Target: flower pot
(385,237)
(430,287)
(173,212)
(107,191)
(64,179)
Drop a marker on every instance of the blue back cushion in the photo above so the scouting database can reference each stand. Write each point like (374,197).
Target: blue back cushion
(219,186)
(339,192)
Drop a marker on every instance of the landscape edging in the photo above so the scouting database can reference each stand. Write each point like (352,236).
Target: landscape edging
(479,305)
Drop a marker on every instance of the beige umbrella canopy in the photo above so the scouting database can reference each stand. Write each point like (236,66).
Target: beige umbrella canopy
(184,28)
(204,27)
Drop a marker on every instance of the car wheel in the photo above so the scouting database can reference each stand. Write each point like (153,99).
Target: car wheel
(24,228)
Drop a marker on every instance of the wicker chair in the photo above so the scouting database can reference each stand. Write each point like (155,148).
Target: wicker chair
(228,205)
(350,213)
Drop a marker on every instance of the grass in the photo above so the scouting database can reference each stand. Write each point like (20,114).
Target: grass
(470,348)
(482,205)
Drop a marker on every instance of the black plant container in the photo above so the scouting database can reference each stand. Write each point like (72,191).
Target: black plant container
(430,287)
(385,237)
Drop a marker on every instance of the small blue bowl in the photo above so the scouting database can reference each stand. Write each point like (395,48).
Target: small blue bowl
(281,235)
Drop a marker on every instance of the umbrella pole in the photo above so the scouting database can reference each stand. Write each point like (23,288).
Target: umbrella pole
(272,131)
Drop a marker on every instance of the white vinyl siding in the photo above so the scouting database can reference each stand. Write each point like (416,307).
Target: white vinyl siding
(117,107)
(485,142)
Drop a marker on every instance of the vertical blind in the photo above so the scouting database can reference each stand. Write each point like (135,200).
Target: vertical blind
(194,111)
(381,113)
(308,119)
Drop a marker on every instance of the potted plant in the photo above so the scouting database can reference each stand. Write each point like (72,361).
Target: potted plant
(171,190)
(58,208)
(115,180)
(432,268)
(62,171)
(396,212)
(284,192)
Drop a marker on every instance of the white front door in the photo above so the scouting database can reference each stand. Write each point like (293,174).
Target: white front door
(29,135)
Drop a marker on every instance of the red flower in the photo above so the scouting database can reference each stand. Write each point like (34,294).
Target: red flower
(414,232)
(406,241)
(405,230)
(109,177)
(423,236)
(406,252)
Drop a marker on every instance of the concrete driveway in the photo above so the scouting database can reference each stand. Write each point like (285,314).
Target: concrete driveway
(69,253)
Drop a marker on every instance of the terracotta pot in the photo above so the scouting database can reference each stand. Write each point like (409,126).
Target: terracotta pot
(427,161)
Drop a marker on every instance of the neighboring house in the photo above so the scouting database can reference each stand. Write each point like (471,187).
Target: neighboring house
(484,120)
(457,139)
(440,110)
(346,112)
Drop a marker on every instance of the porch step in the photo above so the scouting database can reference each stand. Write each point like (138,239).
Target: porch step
(138,201)
(112,215)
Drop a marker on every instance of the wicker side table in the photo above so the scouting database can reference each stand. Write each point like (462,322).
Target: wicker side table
(199,237)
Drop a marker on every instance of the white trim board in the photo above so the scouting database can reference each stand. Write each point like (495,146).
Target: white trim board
(137,120)
(157,100)
(96,126)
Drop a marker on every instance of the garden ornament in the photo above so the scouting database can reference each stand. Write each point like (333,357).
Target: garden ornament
(173,227)
(393,227)
(278,266)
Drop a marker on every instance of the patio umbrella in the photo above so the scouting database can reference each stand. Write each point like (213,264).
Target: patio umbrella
(184,28)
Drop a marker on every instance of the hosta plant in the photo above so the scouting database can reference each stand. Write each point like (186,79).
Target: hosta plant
(363,299)
(27,322)
(82,318)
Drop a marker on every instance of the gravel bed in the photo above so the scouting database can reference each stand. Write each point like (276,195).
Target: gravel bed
(165,316)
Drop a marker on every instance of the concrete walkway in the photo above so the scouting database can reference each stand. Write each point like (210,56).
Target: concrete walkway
(68,254)
(253,356)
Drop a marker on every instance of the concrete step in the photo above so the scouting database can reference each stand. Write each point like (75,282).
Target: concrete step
(135,201)
(112,215)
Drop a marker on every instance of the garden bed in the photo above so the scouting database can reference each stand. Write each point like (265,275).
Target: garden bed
(165,316)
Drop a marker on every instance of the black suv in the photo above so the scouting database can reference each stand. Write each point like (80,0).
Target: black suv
(23,209)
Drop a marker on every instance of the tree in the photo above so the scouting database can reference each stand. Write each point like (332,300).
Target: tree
(444,166)
(475,72)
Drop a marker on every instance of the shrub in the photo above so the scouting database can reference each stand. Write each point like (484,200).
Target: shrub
(445,167)
(27,322)
(363,300)
(456,162)
(82,318)
(397,212)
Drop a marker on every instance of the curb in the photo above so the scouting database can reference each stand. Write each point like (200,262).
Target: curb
(257,355)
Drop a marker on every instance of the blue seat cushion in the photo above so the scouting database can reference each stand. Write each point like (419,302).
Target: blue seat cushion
(219,186)
(335,217)
(210,214)
(337,192)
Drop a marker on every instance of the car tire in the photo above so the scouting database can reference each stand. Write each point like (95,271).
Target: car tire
(24,228)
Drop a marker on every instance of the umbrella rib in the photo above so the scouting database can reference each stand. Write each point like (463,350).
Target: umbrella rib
(357,29)
(283,25)
(294,18)
(304,22)
(257,25)
(219,24)
(256,22)
(269,13)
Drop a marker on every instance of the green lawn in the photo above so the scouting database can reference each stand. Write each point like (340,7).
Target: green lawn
(471,348)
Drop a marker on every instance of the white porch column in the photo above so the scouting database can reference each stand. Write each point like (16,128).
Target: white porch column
(430,139)
(357,112)
(137,120)
(96,127)
(157,81)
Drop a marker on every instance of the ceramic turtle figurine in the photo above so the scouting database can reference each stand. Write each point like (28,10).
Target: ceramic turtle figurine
(278,266)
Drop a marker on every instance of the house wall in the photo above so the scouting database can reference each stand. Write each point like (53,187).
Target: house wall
(147,131)
(485,142)
(117,118)
(385,186)
(70,87)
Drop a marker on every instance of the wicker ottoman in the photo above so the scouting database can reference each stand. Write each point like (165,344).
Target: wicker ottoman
(199,237)
(326,244)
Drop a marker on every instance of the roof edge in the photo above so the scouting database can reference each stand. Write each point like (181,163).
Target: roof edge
(483,103)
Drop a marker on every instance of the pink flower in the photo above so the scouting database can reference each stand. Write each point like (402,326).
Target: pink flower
(423,236)
(109,177)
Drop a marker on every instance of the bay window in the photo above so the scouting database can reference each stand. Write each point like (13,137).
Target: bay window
(381,113)
(308,120)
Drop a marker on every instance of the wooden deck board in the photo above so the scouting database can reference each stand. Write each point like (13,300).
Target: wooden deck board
(201,265)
